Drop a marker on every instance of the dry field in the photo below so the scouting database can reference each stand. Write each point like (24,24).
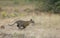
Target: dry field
(46,26)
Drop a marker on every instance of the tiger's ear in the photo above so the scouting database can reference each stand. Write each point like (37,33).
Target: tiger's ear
(30,19)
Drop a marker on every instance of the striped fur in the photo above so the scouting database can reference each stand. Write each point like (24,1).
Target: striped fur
(23,24)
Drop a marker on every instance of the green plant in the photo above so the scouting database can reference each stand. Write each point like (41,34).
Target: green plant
(4,14)
(16,2)
(12,15)
(57,7)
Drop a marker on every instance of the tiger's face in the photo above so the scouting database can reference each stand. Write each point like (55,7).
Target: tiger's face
(32,21)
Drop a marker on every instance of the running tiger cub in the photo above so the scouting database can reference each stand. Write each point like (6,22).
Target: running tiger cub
(23,24)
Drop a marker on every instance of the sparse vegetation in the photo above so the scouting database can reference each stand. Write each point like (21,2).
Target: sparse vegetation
(42,5)
(47,24)
(4,14)
(12,15)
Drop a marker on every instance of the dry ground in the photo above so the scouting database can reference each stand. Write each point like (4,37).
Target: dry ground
(45,26)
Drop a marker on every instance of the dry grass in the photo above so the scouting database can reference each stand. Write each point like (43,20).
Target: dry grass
(46,25)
